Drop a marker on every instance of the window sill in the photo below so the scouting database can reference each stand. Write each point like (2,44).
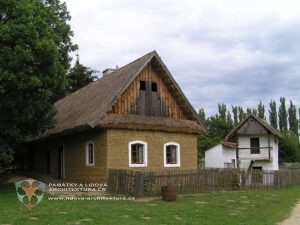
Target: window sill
(89,165)
(137,165)
(172,165)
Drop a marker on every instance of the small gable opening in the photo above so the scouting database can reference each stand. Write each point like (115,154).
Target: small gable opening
(142,85)
(149,101)
(154,87)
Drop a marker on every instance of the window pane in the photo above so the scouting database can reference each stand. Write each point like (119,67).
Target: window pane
(154,87)
(142,85)
(171,154)
(254,145)
(91,153)
(137,154)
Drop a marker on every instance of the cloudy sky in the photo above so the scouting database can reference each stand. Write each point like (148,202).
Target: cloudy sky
(219,51)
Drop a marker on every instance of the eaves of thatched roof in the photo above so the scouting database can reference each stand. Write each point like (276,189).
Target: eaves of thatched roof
(87,107)
(138,122)
(232,145)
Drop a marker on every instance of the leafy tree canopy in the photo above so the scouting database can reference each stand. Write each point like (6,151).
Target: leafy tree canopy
(289,148)
(220,125)
(79,76)
(35,40)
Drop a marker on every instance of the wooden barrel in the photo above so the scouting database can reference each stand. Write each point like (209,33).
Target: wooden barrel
(169,193)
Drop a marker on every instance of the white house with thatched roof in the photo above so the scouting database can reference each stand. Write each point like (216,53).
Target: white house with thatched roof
(252,145)
(134,117)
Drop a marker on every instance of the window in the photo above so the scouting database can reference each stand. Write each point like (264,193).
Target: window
(254,145)
(171,155)
(89,154)
(230,165)
(154,87)
(146,85)
(137,154)
(142,85)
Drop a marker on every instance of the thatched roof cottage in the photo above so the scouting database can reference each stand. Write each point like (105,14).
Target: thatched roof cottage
(134,117)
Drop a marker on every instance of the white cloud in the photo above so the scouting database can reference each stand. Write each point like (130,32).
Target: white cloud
(230,51)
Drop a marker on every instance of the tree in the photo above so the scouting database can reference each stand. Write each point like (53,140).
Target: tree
(273,114)
(205,143)
(201,115)
(293,122)
(282,114)
(218,127)
(252,111)
(289,148)
(261,110)
(222,111)
(242,115)
(35,41)
(79,76)
(235,115)
(229,119)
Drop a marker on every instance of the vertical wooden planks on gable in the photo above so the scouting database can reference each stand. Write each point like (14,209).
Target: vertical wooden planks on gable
(157,102)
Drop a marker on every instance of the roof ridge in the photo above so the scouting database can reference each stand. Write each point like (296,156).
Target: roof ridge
(261,121)
(86,107)
(123,88)
(152,52)
(101,78)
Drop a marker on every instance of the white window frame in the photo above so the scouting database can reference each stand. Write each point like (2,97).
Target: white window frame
(87,163)
(145,154)
(178,162)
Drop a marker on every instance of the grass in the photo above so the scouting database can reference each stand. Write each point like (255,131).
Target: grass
(241,207)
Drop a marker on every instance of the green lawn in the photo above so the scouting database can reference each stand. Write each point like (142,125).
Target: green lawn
(253,207)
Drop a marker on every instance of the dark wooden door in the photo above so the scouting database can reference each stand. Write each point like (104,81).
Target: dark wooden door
(60,162)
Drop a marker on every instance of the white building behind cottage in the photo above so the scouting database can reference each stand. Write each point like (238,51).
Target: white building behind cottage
(252,145)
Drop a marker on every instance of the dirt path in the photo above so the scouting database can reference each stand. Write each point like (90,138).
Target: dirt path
(294,218)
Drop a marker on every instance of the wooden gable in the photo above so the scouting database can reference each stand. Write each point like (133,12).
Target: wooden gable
(148,95)
(252,127)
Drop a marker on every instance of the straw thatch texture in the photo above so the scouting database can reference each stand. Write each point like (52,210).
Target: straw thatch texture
(87,107)
(138,122)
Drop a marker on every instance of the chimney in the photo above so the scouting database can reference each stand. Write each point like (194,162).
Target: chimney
(108,71)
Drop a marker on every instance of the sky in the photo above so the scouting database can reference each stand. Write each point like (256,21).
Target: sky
(219,51)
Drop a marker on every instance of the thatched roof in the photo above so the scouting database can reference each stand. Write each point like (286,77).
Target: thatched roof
(267,127)
(87,107)
(149,123)
(229,144)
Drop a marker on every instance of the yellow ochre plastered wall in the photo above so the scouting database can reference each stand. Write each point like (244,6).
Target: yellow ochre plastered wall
(75,168)
(111,151)
(117,147)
